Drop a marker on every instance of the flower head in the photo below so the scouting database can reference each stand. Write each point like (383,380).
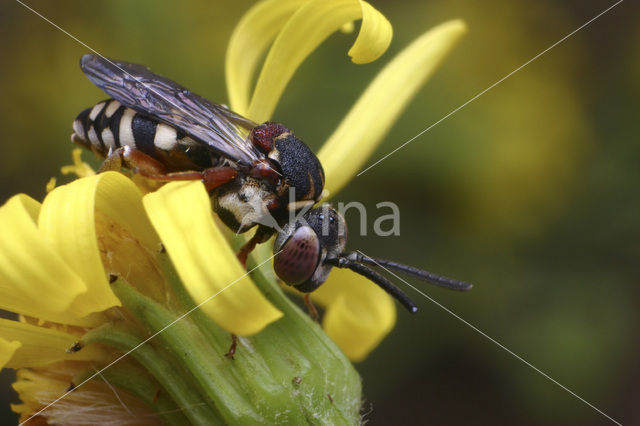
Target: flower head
(98,265)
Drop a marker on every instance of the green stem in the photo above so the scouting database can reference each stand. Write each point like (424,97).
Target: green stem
(252,370)
(174,383)
(193,351)
(270,364)
(329,373)
(267,381)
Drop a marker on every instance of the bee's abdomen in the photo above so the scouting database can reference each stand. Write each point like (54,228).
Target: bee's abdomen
(109,125)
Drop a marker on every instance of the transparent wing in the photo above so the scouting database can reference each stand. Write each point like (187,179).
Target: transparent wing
(136,87)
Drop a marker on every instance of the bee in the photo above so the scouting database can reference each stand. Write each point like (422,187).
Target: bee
(256,174)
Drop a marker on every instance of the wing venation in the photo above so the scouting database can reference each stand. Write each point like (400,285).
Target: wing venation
(137,87)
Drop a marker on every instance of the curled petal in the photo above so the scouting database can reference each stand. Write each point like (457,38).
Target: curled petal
(374,37)
(309,26)
(250,39)
(34,278)
(359,314)
(7,349)
(68,219)
(40,346)
(181,214)
(369,120)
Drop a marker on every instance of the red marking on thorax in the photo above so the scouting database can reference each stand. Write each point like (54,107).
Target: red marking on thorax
(263,135)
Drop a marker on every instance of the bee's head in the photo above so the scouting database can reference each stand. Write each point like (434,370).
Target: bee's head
(299,169)
(308,248)
(304,246)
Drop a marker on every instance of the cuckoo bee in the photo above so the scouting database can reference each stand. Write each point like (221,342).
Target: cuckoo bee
(256,174)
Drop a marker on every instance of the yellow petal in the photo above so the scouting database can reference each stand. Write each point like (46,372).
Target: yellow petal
(359,314)
(128,243)
(41,346)
(181,214)
(7,349)
(250,39)
(374,37)
(309,26)
(68,218)
(372,116)
(34,279)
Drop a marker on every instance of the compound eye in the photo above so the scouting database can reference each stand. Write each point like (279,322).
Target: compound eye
(299,256)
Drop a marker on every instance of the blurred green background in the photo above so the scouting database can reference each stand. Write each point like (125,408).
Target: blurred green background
(530,192)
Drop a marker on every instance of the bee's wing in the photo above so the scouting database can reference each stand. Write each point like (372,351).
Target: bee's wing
(136,87)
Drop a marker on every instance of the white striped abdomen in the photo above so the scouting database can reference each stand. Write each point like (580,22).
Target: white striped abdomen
(109,125)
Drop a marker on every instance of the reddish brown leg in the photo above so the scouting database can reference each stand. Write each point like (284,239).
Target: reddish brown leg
(217,176)
(212,177)
(247,248)
(232,348)
(134,159)
(311,307)
(156,395)
(261,235)
(151,168)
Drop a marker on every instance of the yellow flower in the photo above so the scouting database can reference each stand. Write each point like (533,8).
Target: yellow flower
(57,267)
(91,263)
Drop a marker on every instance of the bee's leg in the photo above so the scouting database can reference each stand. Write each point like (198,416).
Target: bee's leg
(212,177)
(131,158)
(150,168)
(311,307)
(262,234)
(232,348)
(247,248)
(113,162)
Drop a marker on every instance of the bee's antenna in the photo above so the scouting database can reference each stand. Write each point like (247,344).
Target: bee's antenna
(385,284)
(429,277)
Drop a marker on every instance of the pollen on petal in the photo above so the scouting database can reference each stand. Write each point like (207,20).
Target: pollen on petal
(181,214)
(127,242)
